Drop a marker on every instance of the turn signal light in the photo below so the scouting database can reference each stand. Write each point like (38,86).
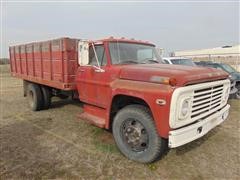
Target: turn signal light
(164,80)
(173,81)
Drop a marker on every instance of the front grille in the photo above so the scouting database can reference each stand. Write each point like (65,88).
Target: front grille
(206,100)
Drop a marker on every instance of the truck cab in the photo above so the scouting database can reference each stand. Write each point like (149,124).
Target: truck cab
(148,105)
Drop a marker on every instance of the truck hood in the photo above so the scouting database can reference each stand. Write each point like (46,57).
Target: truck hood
(184,75)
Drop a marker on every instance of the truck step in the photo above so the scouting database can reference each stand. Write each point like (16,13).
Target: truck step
(99,122)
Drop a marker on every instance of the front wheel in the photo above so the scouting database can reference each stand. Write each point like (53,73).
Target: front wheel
(136,136)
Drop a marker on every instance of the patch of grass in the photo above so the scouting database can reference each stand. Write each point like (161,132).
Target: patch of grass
(152,167)
(108,148)
(97,131)
(103,141)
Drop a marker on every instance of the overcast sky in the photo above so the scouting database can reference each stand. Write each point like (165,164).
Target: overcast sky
(172,26)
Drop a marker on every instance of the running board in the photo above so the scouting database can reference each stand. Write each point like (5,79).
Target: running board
(94,115)
(91,119)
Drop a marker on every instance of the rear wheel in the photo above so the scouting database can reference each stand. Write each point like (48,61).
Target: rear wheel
(35,98)
(46,97)
(136,136)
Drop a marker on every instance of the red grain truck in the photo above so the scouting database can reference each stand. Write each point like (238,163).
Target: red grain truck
(149,106)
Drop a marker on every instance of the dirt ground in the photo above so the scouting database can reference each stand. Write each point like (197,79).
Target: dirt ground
(55,144)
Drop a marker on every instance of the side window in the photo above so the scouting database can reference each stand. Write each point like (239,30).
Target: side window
(104,59)
(100,51)
(92,59)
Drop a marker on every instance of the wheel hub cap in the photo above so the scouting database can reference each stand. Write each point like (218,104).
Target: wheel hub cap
(134,135)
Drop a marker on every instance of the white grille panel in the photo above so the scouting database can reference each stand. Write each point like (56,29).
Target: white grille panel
(206,100)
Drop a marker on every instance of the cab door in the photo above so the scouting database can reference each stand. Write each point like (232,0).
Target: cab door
(94,84)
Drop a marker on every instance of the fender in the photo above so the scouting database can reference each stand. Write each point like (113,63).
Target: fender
(147,92)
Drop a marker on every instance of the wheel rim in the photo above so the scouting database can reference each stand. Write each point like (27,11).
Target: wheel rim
(134,135)
(30,98)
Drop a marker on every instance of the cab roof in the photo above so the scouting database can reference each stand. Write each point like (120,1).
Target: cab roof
(113,39)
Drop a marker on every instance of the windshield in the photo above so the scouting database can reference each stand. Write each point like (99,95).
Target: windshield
(132,53)
(228,68)
(187,62)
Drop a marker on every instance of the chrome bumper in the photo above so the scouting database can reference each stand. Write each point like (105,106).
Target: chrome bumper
(192,132)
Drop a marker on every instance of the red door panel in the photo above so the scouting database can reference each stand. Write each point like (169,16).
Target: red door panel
(93,86)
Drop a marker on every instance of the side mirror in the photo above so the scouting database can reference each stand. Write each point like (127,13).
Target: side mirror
(83,51)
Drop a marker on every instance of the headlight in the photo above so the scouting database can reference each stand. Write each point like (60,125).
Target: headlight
(184,108)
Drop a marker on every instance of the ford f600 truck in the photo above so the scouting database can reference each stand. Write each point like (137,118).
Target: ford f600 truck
(148,106)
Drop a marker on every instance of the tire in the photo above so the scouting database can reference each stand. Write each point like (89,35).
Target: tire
(35,98)
(149,146)
(46,97)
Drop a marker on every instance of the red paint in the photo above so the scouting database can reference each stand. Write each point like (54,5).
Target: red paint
(183,74)
(52,63)
(57,66)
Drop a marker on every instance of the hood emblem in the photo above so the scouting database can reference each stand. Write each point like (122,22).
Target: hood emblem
(160,102)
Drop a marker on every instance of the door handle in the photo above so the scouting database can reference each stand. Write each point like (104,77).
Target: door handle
(82,70)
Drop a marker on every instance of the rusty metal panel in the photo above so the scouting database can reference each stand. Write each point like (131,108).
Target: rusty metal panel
(23,59)
(53,63)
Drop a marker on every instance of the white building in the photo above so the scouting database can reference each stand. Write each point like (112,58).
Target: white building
(225,54)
